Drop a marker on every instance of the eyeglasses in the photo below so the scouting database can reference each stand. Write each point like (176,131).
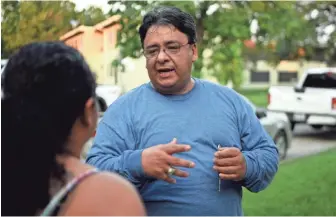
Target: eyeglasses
(171,48)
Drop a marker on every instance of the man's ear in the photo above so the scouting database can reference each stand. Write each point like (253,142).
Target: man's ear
(195,52)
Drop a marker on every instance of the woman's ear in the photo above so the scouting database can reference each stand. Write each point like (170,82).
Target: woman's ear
(90,112)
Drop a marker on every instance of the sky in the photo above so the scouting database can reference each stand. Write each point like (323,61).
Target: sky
(81,4)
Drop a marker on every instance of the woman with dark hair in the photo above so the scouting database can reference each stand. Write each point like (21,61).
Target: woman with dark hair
(48,113)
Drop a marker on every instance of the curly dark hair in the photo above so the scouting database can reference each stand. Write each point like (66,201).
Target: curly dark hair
(45,86)
(169,15)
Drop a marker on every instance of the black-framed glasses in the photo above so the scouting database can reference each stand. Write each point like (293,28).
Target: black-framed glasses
(169,49)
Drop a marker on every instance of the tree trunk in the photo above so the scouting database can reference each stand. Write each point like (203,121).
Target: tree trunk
(200,16)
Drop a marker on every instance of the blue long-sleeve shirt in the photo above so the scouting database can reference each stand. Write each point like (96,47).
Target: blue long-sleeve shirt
(206,116)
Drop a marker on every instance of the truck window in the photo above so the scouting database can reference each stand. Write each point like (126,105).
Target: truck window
(323,80)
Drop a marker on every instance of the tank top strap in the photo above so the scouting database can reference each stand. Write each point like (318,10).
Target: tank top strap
(57,199)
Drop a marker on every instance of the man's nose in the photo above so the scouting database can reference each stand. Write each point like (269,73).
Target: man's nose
(162,56)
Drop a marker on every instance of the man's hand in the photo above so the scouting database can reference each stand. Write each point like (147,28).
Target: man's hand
(230,164)
(157,160)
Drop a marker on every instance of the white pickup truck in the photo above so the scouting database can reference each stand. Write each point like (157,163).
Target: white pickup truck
(312,101)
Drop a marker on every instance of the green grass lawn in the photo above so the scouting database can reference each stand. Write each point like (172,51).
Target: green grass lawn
(257,96)
(306,186)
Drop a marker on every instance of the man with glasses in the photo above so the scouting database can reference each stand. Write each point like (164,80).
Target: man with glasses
(187,144)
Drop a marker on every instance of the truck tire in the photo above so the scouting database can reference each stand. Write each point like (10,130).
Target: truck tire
(292,125)
(102,104)
(281,142)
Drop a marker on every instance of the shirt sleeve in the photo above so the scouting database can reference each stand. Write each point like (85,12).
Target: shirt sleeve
(260,152)
(114,148)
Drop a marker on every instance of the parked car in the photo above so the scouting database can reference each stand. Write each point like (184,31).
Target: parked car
(312,101)
(277,125)
(107,94)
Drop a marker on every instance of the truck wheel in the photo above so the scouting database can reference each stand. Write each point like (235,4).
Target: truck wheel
(316,126)
(280,141)
(292,125)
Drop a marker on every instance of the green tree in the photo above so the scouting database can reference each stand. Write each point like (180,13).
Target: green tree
(30,21)
(91,16)
(322,15)
(130,45)
(291,27)
(286,26)
(10,19)
(33,21)
(222,29)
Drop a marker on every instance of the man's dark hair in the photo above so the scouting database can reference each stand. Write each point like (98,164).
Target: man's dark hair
(45,86)
(166,15)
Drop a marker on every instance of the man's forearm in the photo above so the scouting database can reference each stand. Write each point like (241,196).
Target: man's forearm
(128,164)
(261,167)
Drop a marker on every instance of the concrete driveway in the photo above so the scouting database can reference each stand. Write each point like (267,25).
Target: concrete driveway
(307,141)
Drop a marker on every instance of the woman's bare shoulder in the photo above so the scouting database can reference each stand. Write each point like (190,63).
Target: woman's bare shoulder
(105,194)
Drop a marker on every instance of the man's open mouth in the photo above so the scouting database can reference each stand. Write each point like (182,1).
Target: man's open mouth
(165,70)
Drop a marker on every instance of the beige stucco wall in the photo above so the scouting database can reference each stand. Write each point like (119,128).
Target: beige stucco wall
(290,66)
